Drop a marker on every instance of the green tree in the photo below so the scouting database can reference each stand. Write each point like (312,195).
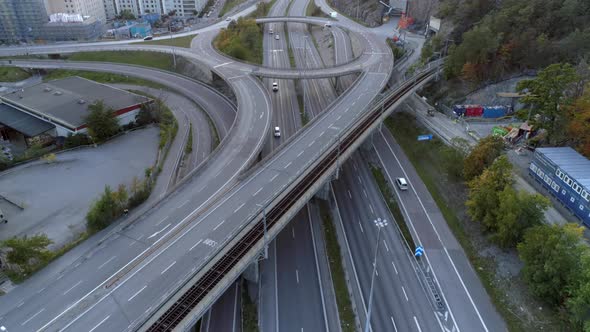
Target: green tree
(517,212)
(483,200)
(103,211)
(101,121)
(549,94)
(126,14)
(578,303)
(551,260)
(27,252)
(482,156)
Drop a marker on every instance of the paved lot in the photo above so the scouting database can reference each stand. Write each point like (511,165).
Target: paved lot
(55,197)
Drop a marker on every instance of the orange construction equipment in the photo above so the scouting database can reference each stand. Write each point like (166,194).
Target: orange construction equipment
(405,21)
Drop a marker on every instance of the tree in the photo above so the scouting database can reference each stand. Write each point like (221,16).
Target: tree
(550,93)
(517,212)
(579,124)
(126,14)
(121,197)
(482,156)
(103,211)
(551,260)
(101,121)
(27,251)
(484,190)
(578,303)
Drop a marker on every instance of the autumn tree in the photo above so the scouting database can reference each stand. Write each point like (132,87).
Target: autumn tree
(551,260)
(517,211)
(579,124)
(578,302)
(482,156)
(550,95)
(484,193)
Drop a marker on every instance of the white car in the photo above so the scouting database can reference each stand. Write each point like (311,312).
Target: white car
(277,132)
(328,25)
(277,37)
(275,86)
(148,38)
(402,184)
(228,19)
(270,31)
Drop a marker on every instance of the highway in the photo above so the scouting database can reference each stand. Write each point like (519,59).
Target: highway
(187,235)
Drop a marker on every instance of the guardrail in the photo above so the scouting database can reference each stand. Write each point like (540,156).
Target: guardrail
(198,291)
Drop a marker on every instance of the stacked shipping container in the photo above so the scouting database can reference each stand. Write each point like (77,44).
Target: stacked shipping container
(497,111)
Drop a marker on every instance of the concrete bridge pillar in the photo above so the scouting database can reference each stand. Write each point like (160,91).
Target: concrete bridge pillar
(324,192)
(252,272)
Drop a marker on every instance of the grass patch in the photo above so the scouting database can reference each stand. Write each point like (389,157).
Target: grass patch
(229,5)
(290,50)
(13,74)
(249,311)
(140,58)
(302,113)
(385,188)
(214,134)
(313,10)
(242,39)
(178,41)
(345,311)
(101,77)
(428,161)
(188,148)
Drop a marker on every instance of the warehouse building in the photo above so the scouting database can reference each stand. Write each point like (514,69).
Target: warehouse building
(60,107)
(566,175)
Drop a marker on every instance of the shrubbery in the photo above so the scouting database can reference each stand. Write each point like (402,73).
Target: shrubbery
(26,254)
(242,39)
(73,141)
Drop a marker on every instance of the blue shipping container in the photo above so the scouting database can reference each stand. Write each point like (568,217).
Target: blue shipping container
(459,110)
(494,111)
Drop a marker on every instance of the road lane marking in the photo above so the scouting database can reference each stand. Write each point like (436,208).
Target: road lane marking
(168,268)
(105,263)
(196,244)
(322,133)
(216,227)
(297,275)
(223,64)
(405,295)
(183,204)
(360,181)
(158,232)
(365,192)
(310,144)
(417,325)
(97,325)
(395,268)
(293,232)
(261,115)
(300,153)
(161,221)
(239,207)
(79,282)
(257,191)
(361,226)
(42,289)
(371,207)
(386,247)
(274,177)
(137,293)
(287,166)
(393,323)
(30,318)
(20,304)
(349,194)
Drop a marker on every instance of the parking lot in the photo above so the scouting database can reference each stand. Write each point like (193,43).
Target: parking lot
(53,198)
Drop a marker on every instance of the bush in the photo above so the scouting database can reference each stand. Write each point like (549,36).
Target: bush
(26,254)
(76,140)
(101,122)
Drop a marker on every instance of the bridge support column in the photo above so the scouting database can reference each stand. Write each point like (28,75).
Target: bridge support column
(252,272)
(324,192)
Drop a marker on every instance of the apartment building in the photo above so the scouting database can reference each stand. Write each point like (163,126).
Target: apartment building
(92,8)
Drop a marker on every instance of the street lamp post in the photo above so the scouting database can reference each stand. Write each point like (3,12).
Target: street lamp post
(380,224)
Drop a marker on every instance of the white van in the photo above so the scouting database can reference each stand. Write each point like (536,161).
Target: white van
(402,184)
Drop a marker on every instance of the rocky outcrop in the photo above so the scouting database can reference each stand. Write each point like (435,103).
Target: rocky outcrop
(368,11)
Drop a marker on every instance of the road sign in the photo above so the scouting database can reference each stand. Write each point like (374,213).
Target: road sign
(419,251)
(425,137)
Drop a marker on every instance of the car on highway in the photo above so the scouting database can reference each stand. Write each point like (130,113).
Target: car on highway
(328,25)
(401,183)
(275,86)
(148,38)
(228,19)
(270,30)
(277,37)
(277,132)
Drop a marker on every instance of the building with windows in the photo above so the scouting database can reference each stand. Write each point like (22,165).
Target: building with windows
(566,175)
(72,27)
(141,7)
(110,9)
(92,8)
(21,20)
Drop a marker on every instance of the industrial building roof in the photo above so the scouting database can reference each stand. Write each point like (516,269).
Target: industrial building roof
(65,101)
(571,162)
(23,122)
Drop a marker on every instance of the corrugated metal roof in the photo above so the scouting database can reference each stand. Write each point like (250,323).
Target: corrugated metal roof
(23,122)
(570,162)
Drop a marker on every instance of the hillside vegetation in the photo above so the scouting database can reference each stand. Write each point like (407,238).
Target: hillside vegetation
(242,40)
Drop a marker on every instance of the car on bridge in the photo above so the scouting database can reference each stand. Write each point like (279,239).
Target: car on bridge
(277,132)
(275,86)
